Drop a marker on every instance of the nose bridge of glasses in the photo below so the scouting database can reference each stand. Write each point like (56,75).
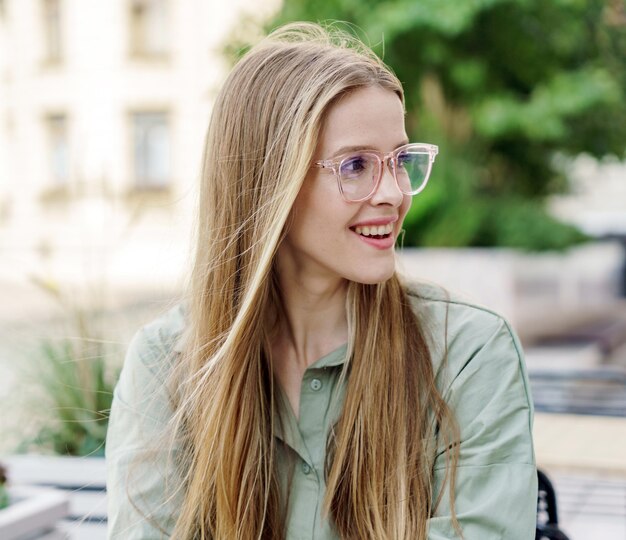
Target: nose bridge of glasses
(384,161)
(387,164)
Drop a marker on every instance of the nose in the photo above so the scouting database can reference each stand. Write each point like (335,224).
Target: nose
(387,191)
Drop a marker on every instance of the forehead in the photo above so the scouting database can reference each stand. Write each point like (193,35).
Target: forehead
(371,117)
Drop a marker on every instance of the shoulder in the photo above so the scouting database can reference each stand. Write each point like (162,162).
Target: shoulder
(156,345)
(466,335)
(480,371)
(142,390)
(166,331)
(438,309)
(140,455)
(150,357)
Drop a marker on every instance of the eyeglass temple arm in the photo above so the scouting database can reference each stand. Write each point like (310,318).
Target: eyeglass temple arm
(324,164)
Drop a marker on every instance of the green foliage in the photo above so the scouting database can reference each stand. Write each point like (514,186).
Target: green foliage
(500,86)
(515,223)
(77,391)
(4,495)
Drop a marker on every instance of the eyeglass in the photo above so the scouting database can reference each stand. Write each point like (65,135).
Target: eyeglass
(359,173)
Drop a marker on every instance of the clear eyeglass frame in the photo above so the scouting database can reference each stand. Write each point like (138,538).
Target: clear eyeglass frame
(390,159)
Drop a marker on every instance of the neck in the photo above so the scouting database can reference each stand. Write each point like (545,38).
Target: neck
(314,319)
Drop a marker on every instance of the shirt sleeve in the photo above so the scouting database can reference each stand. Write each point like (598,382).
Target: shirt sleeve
(496,482)
(142,480)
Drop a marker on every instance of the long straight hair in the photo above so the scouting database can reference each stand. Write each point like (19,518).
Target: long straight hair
(260,144)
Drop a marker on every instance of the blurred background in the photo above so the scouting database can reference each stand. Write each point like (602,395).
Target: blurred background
(103,110)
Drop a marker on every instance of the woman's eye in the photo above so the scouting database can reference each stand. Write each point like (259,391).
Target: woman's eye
(404,158)
(353,166)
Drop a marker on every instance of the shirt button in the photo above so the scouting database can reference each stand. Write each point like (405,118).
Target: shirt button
(306,469)
(316,385)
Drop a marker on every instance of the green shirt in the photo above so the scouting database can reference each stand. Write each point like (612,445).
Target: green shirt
(485,382)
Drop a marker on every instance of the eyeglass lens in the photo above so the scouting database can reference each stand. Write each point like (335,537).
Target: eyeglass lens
(359,173)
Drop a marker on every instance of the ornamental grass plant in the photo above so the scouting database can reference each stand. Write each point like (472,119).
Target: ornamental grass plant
(75,389)
(70,381)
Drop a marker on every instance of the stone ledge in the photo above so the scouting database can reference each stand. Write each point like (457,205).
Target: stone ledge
(576,443)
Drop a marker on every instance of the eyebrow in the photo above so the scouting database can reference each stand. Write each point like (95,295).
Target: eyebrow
(357,148)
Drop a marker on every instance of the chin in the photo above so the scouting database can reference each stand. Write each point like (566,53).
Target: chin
(373,278)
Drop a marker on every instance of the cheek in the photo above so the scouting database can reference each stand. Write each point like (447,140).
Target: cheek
(312,217)
(404,208)
(323,209)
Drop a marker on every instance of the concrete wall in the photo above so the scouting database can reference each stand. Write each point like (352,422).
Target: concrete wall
(535,291)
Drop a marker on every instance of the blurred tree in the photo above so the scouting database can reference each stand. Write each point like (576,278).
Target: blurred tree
(503,87)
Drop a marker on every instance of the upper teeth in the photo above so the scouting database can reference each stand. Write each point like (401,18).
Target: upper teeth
(374,230)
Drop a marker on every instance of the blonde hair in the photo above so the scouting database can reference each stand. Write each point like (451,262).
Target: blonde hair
(260,143)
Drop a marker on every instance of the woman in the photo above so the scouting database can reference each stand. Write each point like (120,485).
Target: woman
(304,391)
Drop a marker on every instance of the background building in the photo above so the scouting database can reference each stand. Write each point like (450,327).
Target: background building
(103,109)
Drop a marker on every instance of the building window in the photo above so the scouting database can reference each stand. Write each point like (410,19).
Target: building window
(52,33)
(149,28)
(152,150)
(58,161)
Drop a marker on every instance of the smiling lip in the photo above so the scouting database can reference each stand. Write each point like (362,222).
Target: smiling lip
(376,221)
(378,243)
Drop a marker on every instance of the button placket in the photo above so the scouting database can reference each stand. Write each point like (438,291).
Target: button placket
(311,422)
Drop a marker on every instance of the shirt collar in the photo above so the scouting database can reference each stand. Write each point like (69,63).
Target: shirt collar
(336,357)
